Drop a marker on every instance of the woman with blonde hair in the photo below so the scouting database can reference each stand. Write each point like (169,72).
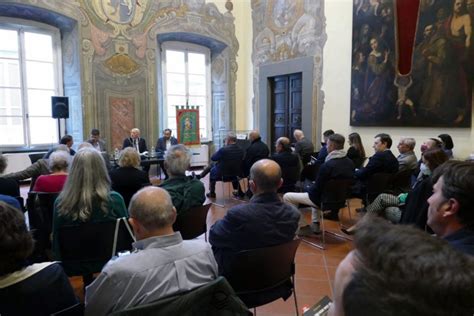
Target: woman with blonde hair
(86,197)
(128,179)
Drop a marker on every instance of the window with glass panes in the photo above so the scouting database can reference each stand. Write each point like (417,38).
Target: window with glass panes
(186,69)
(29,76)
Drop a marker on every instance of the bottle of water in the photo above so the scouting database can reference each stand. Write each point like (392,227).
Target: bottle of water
(153,153)
(116,154)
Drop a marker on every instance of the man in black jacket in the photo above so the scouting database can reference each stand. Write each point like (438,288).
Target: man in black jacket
(337,166)
(288,162)
(256,151)
(383,161)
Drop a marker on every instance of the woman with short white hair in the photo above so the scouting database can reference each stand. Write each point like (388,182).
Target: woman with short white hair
(54,182)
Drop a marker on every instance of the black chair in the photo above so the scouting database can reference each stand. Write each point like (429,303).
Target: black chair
(310,171)
(400,182)
(36,156)
(216,298)
(376,184)
(334,197)
(290,176)
(231,171)
(74,310)
(260,276)
(21,201)
(85,248)
(193,222)
(40,207)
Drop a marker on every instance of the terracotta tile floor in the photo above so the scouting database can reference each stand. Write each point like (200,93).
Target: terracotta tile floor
(315,268)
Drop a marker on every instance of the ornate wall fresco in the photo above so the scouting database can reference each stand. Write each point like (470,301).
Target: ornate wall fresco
(114,55)
(438,89)
(285,30)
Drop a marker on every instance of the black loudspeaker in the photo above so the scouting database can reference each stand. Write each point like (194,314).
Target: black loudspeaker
(60,107)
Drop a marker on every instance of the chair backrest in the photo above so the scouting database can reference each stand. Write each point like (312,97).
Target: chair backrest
(192,223)
(290,175)
(36,156)
(262,269)
(401,181)
(215,298)
(376,184)
(93,241)
(335,194)
(231,168)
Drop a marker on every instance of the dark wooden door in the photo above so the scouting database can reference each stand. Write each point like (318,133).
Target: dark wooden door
(286,106)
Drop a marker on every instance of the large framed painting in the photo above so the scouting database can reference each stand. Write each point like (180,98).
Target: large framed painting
(437,90)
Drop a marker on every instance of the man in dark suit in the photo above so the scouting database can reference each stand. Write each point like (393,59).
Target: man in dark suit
(383,161)
(227,157)
(303,146)
(287,161)
(135,141)
(256,151)
(163,144)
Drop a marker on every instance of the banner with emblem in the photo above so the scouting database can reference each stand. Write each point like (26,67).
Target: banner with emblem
(187,123)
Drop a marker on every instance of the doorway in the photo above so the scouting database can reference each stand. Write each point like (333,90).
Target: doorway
(286,106)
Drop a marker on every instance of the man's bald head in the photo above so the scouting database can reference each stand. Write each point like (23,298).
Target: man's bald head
(266,174)
(253,135)
(152,208)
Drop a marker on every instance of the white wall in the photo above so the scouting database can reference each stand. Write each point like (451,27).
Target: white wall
(336,86)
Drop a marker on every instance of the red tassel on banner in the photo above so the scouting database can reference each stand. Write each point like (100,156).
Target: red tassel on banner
(406,17)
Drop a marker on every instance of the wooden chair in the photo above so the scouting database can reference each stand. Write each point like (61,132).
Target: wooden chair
(255,274)
(193,222)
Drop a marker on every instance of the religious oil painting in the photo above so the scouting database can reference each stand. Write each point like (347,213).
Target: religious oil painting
(437,91)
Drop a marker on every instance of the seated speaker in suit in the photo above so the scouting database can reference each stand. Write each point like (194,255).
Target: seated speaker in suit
(96,141)
(135,141)
(163,144)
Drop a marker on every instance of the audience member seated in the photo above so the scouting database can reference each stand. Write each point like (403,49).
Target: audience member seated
(10,201)
(227,155)
(430,143)
(356,151)
(127,179)
(8,186)
(256,151)
(86,197)
(337,166)
(450,207)
(66,140)
(407,159)
(383,161)
(415,202)
(186,192)
(264,221)
(162,265)
(303,146)
(323,152)
(95,140)
(40,167)
(36,289)
(400,270)
(163,144)
(54,182)
(104,154)
(286,159)
(447,144)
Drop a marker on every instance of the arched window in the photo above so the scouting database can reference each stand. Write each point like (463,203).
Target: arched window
(30,73)
(186,81)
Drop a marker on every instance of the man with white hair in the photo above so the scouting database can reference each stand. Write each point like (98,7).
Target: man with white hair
(162,265)
(407,158)
(303,145)
(186,192)
(135,141)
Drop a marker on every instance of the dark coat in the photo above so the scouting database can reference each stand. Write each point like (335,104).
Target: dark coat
(9,187)
(230,153)
(127,181)
(128,142)
(415,211)
(380,162)
(336,168)
(256,151)
(356,157)
(161,144)
(288,162)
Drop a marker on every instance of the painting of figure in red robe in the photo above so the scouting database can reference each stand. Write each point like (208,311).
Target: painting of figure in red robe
(438,89)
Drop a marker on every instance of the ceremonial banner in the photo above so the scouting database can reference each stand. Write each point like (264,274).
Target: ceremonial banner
(412,63)
(187,122)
